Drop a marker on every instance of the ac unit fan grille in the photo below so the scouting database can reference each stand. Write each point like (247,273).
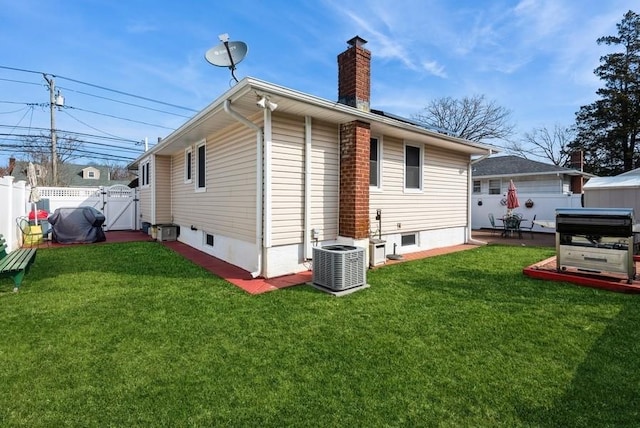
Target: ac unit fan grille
(339,267)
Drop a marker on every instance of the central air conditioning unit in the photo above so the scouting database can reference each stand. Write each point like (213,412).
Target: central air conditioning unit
(167,232)
(339,267)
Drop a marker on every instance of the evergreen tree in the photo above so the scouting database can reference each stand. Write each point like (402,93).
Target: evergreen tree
(607,130)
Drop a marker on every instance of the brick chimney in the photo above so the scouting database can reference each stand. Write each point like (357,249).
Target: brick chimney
(12,165)
(354,75)
(577,162)
(355,141)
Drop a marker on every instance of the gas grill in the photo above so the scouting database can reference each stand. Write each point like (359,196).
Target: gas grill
(597,240)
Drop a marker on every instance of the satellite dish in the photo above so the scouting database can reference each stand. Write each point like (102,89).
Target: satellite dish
(220,56)
(227,54)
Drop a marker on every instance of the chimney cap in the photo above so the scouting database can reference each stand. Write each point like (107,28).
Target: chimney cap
(357,41)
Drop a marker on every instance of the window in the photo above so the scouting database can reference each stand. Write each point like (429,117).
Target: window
(374,163)
(145,174)
(412,168)
(208,240)
(406,240)
(188,165)
(494,187)
(477,188)
(91,174)
(201,159)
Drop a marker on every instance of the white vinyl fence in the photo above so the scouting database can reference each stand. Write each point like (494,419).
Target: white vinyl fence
(13,204)
(544,207)
(118,203)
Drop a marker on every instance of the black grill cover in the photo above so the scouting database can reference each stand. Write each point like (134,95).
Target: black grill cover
(77,225)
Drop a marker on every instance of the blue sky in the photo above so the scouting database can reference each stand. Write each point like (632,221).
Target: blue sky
(533,57)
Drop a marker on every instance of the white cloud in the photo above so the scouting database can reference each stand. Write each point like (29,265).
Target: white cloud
(432,67)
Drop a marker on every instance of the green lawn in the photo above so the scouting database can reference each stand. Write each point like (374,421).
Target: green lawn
(134,335)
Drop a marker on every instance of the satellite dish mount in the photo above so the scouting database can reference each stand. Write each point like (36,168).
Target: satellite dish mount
(227,54)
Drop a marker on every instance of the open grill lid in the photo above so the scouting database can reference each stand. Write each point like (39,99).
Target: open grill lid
(614,222)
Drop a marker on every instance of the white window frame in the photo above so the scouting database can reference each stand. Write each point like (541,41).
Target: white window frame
(404,166)
(479,188)
(377,186)
(146,173)
(203,188)
(188,165)
(493,188)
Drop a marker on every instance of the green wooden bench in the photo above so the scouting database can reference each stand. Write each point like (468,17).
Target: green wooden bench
(16,263)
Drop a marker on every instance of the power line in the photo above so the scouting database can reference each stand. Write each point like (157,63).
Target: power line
(87,125)
(127,94)
(63,131)
(21,69)
(123,102)
(25,136)
(100,87)
(120,118)
(21,81)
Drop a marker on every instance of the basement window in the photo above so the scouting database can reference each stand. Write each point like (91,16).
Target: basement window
(407,240)
(208,240)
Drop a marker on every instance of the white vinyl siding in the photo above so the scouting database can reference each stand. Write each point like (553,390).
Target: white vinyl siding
(535,184)
(287,180)
(145,204)
(287,215)
(162,186)
(441,204)
(325,182)
(228,207)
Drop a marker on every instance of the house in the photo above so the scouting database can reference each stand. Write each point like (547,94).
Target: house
(541,187)
(265,172)
(70,175)
(620,191)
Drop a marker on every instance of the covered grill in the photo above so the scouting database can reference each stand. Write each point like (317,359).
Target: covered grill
(596,240)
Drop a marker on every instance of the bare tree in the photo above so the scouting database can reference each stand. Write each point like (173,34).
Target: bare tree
(37,149)
(117,171)
(473,118)
(542,142)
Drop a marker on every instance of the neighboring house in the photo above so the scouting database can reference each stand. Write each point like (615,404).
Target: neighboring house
(266,172)
(70,175)
(620,191)
(543,186)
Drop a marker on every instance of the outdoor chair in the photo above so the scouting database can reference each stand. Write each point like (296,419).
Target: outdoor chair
(529,228)
(494,228)
(33,235)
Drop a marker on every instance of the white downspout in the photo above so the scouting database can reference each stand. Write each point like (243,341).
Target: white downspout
(307,188)
(267,141)
(468,238)
(249,124)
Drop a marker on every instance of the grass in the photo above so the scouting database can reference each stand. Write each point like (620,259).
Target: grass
(134,335)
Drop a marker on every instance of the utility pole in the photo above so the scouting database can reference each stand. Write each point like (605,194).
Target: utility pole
(54,139)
